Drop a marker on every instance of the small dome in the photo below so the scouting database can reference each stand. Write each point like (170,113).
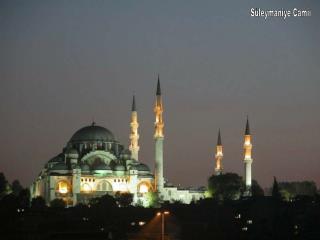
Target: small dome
(59,166)
(77,166)
(126,151)
(143,167)
(119,168)
(58,158)
(132,167)
(93,133)
(102,166)
(126,154)
(85,168)
(71,151)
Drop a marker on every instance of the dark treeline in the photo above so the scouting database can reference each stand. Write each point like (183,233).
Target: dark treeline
(257,217)
(252,218)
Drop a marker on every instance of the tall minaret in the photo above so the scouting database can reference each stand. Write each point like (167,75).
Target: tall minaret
(247,157)
(158,136)
(134,136)
(219,156)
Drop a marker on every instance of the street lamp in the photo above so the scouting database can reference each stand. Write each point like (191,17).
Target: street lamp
(162,214)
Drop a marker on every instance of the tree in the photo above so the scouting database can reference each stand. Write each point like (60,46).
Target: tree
(104,202)
(9,203)
(124,199)
(256,190)
(275,190)
(16,187)
(3,185)
(24,198)
(228,186)
(293,189)
(38,203)
(58,203)
(152,199)
(285,194)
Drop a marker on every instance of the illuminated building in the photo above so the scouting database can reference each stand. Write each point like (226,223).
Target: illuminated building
(134,136)
(219,155)
(159,137)
(93,163)
(247,158)
(165,190)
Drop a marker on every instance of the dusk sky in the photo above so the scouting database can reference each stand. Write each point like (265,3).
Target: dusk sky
(64,63)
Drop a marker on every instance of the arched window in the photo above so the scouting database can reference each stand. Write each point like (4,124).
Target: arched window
(144,187)
(85,187)
(63,187)
(104,186)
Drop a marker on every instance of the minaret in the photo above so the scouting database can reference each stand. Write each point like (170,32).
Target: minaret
(158,136)
(219,156)
(134,136)
(247,158)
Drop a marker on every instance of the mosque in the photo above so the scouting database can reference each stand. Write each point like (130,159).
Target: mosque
(93,163)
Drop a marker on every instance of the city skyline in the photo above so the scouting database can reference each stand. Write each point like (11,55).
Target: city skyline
(64,64)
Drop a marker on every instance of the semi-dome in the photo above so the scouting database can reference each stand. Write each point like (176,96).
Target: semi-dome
(102,166)
(85,168)
(143,167)
(92,133)
(119,168)
(59,166)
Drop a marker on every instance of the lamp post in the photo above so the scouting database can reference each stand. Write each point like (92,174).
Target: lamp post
(162,214)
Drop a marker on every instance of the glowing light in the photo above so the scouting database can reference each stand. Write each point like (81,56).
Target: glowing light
(143,188)
(164,213)
(141,223)
(86,187)
(62,187)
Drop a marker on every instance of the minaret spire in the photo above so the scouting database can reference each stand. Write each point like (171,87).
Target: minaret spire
(158,110)
(219,143)
(133,108)
(158,87)
(247,158)
(159,137)
(134,135)
(247,131)
(219,155)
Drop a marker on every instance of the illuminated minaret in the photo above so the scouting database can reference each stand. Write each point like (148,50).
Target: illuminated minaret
(134,136)
(219,156)
(158,136)
(247,158)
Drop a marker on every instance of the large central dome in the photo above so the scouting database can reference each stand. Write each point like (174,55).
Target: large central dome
(92,133)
